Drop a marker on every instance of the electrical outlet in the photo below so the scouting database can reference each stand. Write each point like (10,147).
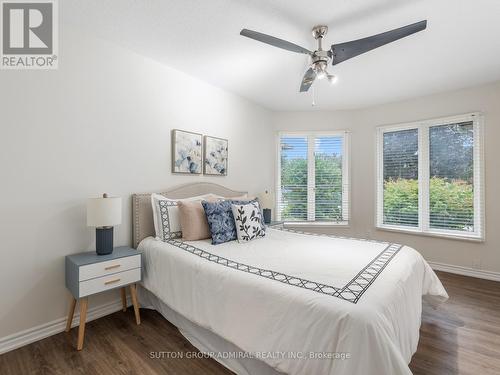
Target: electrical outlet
(476,263)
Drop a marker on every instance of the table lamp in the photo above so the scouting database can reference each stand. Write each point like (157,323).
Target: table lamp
(103,213)
(266,202)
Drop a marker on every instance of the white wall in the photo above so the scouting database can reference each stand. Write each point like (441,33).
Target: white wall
(101,123)
(362,123)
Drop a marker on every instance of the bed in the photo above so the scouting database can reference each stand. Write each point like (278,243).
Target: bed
(291,302)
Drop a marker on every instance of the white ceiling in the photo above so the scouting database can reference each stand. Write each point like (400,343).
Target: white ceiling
(460,48)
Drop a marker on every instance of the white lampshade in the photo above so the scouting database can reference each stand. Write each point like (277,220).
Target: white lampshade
(104,212)
(266,199)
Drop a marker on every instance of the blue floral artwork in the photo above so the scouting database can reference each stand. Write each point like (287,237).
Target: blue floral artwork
(216,155)
(186,152)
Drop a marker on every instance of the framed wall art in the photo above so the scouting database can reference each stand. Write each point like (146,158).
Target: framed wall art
(215,156)
(186,152)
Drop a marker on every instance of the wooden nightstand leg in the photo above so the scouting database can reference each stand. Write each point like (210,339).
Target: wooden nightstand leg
(124,299)
(71,312)
(133,294)
(83,317)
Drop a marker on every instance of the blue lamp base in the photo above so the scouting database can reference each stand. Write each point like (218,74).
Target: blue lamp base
(267,215)
(104,240)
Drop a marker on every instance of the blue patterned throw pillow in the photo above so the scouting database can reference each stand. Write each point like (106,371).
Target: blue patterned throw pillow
(220,221)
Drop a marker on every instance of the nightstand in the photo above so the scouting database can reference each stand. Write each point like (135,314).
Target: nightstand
(88,273)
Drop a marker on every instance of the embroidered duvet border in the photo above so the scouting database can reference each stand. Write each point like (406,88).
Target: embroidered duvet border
(351,292)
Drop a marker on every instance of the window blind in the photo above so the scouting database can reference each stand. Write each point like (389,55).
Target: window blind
(328,187)
(400,150)
(292,205)
(451,182)
(430,177)
(312,183)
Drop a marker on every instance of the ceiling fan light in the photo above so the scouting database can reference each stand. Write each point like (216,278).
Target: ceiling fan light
(332,78)
(321,75)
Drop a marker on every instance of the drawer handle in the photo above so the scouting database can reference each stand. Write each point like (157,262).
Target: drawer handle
(111,267)
(111,281)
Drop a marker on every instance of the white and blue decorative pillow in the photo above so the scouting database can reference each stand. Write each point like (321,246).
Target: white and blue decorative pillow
(220,221)
(166,216)
(255,200)
(249,221)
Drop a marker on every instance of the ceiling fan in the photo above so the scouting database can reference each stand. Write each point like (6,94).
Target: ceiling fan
(338,52)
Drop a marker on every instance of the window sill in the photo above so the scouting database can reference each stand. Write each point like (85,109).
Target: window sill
(445,235)
(316,224)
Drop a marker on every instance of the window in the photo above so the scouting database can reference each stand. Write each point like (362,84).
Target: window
(430,177)
(312,183)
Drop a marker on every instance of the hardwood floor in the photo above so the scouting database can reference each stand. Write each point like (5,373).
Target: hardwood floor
(460,337)
(463,335)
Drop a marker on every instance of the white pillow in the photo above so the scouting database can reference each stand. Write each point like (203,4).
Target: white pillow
(248,221)
(166,215)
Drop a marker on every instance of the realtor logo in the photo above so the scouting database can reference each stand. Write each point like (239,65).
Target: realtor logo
(29,34)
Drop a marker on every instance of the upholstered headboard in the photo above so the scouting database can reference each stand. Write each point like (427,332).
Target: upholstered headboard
(142,212)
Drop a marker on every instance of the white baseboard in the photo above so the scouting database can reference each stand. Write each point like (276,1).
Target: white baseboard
(42,331)
(466,271)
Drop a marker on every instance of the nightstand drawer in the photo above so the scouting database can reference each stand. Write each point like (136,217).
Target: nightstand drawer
(108,282)
(109,267)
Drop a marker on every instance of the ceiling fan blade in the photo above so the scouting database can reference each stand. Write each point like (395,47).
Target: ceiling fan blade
(273,41)
(308,80)
(345,51)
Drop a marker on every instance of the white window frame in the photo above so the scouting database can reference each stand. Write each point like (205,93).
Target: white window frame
(423,173)
(346,183)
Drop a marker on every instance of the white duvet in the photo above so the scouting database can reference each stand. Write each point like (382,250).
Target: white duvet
(303,304)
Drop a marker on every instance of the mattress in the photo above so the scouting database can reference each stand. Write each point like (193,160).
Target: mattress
(301,303)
